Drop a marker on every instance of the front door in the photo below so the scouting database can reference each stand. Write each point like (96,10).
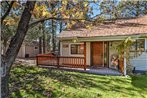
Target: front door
(97,54)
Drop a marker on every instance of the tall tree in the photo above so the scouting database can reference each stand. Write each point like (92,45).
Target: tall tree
(113,9)
(133,8)
(15,45)
(31,9)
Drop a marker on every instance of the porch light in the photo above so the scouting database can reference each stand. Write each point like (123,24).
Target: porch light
(75,40)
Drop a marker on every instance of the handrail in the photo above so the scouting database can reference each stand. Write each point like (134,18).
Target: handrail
(58,56)
(59,61)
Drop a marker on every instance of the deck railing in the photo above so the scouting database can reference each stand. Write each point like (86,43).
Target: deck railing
(61,61)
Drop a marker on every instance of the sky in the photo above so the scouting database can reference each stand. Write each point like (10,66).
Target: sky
(96,10)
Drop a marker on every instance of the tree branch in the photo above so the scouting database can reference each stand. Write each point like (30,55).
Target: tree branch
(54,18)
(7,12)
(8,3)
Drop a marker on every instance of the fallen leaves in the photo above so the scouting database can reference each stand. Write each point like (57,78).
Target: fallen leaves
(47,93)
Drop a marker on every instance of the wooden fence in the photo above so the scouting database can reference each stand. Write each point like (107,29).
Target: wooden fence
(61,61)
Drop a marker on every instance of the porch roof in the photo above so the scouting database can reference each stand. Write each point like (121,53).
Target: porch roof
(120,27)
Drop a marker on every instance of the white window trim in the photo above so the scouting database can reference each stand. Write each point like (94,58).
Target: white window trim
(146,44)
(80,55)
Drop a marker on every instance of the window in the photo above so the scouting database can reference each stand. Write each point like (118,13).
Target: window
(77,48)
(36,47)
(139,45)
(137,48)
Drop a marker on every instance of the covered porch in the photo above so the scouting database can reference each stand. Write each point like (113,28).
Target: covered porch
(95,59)
(72,64)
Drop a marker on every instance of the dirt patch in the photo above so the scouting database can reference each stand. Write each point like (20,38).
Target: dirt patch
(25,61)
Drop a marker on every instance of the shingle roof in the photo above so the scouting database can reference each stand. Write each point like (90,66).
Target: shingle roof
(135,26)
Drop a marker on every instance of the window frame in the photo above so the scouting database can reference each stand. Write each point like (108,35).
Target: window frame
(136,46)
(136,51)
(70,49)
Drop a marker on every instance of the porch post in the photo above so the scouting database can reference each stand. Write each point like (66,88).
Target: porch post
(84,55)
(125,64)
(58,61)
(37,60)
(103,54)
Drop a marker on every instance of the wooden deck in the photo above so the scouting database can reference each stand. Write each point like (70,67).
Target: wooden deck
(71,64)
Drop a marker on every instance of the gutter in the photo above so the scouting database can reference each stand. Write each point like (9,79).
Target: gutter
(111,38)
(103,38)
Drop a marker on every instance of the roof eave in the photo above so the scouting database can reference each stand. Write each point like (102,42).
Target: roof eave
(110,38)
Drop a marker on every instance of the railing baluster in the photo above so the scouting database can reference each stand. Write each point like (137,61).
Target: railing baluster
(73,62)
(60,60)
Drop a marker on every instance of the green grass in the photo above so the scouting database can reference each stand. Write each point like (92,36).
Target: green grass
(34,82)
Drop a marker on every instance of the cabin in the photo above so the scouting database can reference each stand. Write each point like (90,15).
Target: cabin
(96,47)
(28,50)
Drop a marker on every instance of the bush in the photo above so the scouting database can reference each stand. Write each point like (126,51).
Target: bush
(129,69)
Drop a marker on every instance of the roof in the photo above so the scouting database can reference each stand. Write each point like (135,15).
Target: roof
(134,26)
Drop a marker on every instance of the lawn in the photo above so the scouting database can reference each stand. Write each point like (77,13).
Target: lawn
(33,82)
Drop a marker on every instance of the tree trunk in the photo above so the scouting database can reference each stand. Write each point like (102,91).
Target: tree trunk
(40,45)
(53,31)
(43,32)
(7,12)
(53,37)
(15,45)
(5,87)
(137,8)
(59,40)
(5,46)
(44,46)
(4,80)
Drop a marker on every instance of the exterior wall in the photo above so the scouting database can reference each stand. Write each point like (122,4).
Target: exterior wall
(31,51)
(65,50)
(140,62)
(21,53)
(88,53)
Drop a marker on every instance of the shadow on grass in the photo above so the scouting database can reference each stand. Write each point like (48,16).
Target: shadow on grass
(140,82)
(26,82)
(43,83)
